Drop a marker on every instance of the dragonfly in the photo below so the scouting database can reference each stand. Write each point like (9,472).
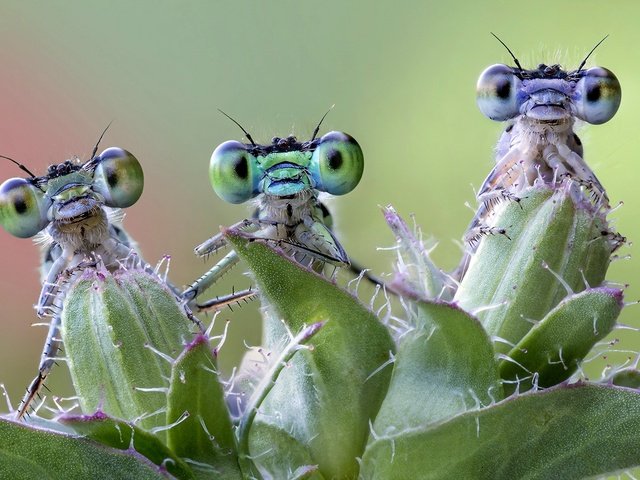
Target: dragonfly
(285,178)
(539,144)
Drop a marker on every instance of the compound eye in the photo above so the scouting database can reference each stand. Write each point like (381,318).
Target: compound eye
(233,172)
(337,163)
(118,178)
(497,93)
(23,209)
(599,96)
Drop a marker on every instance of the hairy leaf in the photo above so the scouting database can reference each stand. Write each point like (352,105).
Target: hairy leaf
(444,366)
(567,432)
(111,323)
(27,453)
(126,436)
(206,436)
(553,348)
(510,273)
(327,395)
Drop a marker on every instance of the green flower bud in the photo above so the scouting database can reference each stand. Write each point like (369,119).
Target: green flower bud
(552,244)
(116,328)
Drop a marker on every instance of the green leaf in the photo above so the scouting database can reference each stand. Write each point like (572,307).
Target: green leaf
(327,396)
(565,433)
(306,472)
(554,347)
(285,463)
(628,377)
(292,454)
(206,436)
(110,324)
(124,436)
(444,366)
(27,453)
(509,273)
(42,423)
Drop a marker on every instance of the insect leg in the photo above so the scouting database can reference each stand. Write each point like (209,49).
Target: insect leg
(115,250)
(472,237)
(49,352)
(216,242)
(223,301)
(590,181)
(210,277)
(556,163)
(49,285)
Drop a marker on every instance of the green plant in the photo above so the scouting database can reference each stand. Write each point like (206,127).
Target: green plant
(472,380)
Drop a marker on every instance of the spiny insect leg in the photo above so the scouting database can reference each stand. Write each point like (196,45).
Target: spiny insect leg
(472,237)
(489,200)
(218,241)
(49,285)
(210,277)
(223,301)
(51,347)
(589,190)
(294,248)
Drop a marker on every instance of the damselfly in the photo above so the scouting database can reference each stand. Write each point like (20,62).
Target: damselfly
(73,211)
(539,143)
(285,178)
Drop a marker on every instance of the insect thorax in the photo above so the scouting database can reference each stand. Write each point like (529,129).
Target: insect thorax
(529,150)
(84,235)
(290,210)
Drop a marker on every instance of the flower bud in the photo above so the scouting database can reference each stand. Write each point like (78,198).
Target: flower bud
(116,328)
(552,244)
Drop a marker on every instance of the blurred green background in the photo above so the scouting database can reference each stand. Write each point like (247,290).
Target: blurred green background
(401,74)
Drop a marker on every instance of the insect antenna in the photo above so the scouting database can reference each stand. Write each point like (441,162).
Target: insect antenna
(510,52)
(315,132)
(20,166)
(247,134)
(95,149)
(589,54)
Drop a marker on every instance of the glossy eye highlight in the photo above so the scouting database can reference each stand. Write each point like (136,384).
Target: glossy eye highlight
(337,163)
(118,178)
(600,96)
(23,211)
(496,93)
(233,172)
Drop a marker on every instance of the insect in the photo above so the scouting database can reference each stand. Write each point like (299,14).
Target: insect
(539,143)
(73,211)
(285,178)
